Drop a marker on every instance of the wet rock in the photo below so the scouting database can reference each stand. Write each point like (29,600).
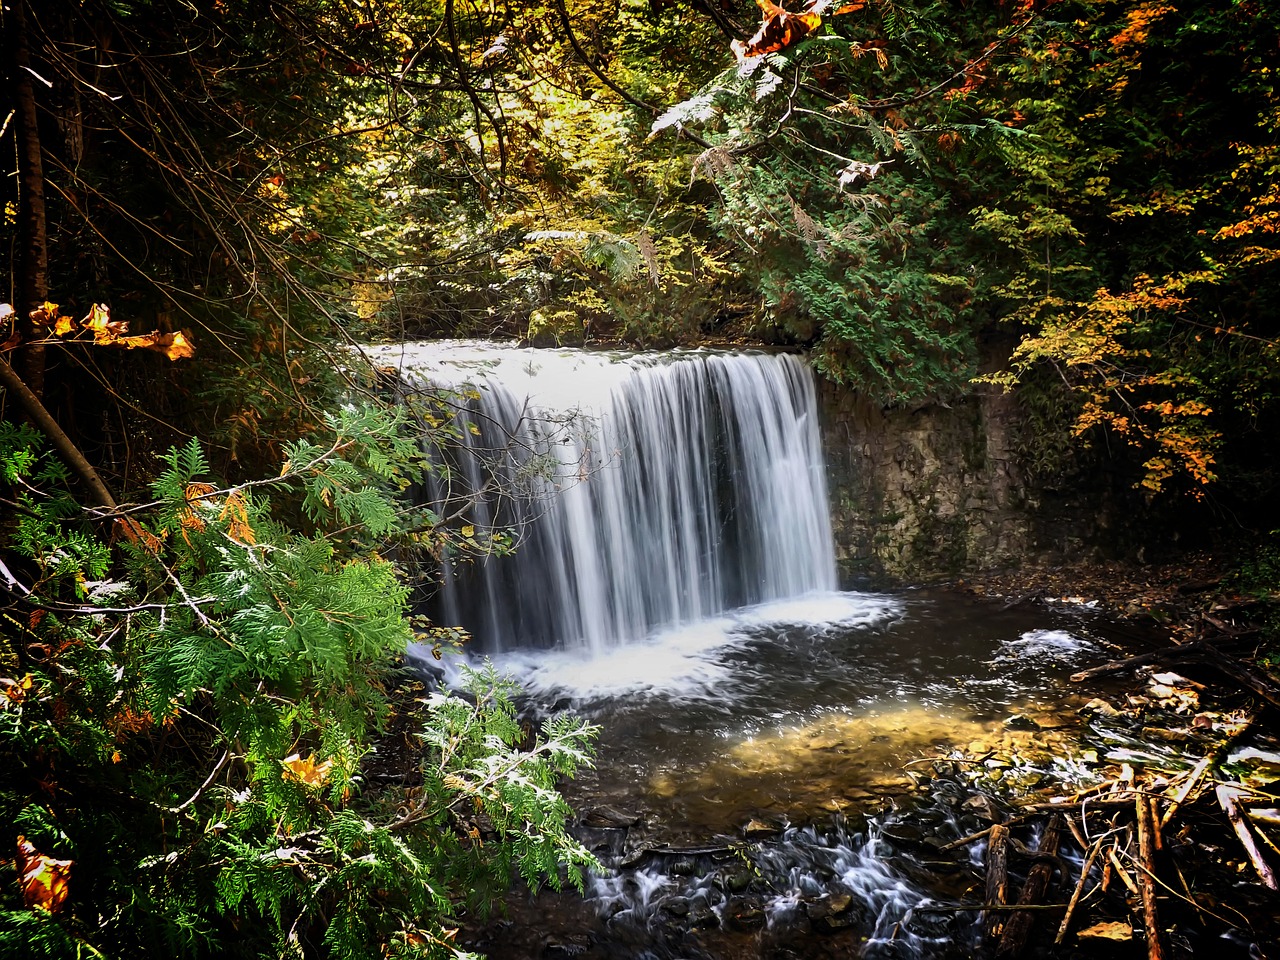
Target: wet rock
(832,914)
(563,949)
(983,807)
(903,834)
(608,817)
(1020,721)
(746,914)
(701,915)
(757,829)
(683,867)
(737,881)
(677,907)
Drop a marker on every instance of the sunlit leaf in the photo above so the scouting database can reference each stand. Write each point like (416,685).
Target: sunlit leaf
(306,770)
(779,30)
(14,691)
(43,880)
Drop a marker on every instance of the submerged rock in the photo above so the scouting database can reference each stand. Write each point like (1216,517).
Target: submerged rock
(757,829)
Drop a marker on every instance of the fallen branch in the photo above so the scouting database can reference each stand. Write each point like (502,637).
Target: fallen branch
(1148,841)
(1229,800)
(997,880)
(62,443)
(1019,926)
(1079,890)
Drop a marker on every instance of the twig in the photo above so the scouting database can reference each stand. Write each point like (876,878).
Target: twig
(1075,896)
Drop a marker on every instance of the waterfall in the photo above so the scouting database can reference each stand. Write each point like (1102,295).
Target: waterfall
(642,491)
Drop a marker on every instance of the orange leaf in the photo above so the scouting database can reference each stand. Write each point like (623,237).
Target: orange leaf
(135,533)
(177,346)
(237,517)
(64,326)
(43,880)
(779,31)
(45,315)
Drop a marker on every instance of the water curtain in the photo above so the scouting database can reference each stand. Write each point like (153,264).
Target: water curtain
(642,491)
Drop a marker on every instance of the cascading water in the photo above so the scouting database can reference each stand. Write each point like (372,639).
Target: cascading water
(645,491)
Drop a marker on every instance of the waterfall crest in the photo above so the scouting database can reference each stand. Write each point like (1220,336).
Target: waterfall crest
(644,491)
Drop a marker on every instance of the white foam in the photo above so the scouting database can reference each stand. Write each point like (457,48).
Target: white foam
(684,663)
(822,609)
(1044,644)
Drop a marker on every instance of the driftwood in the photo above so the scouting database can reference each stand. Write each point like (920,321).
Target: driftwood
(997,880)
(1229,800)
(1016,931)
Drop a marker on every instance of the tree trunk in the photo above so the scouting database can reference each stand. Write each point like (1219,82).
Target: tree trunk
(33,247)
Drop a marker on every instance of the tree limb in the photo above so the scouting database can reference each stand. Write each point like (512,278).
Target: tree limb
(70,452)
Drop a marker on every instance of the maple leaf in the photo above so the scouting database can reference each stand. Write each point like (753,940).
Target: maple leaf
(43,880)
(306,770)
(779,30)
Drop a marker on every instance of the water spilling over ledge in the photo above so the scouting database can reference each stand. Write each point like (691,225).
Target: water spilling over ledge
(646,491)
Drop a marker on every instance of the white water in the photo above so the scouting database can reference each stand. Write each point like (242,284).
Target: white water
(685,664)
(647,493)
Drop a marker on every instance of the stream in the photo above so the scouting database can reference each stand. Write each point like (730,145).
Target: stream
(756,792)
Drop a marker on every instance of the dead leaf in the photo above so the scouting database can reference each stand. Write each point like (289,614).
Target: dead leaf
(137,534)
(15,691)
(43,880)
(45,315)
(307,771)
(779,30)
(1107,931)
(236,514)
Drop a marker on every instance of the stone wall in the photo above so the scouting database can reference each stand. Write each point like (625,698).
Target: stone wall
(934,491)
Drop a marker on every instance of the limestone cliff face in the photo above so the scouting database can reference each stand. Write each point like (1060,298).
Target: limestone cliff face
(933,491)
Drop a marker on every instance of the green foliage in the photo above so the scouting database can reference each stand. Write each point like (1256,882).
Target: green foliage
(194,733)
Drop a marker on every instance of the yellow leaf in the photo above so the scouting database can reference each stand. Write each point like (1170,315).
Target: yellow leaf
(43,880)
(177,346)
(99,321)
(63,326)
(15,691)
(468,531)
(306,770)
